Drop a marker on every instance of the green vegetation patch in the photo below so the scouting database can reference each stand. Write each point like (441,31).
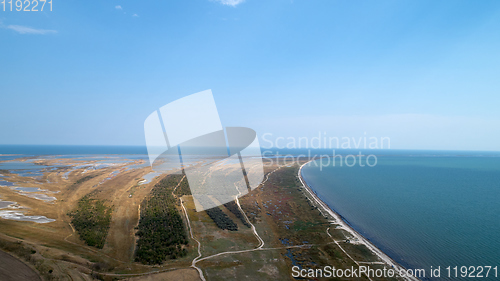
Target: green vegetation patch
(183,189)
(286,178)
(91,219)
(222,220)
(84,179)
(161,231)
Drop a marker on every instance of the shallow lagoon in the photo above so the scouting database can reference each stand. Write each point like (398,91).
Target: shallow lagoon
(149,177)
(5,204)
(19,216)
(30,192)
(28,189)
(26,168)
(6,183)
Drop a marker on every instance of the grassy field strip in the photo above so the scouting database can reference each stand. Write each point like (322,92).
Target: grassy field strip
(261,242)
(256,249)
(87,248)
(195,260)
(121,274)
(193,264)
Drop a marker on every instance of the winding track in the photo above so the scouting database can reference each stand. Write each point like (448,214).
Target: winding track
(195,260)
(261,242)
(258,248)
(193,263)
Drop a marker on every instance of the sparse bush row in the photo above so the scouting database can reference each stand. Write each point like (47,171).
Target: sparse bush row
(221,219)
(233,208)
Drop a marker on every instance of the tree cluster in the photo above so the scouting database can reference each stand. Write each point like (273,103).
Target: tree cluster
(161,230)
(183,189)
(84,179)
(91,220)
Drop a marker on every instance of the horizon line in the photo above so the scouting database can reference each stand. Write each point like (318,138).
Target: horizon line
(375,149)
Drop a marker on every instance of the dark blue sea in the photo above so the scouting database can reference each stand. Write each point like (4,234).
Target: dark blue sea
(421,208)
(37,150)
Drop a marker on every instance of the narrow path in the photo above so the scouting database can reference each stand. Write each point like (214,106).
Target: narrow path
(193,263)
(175,196)
(261,242)
(357,263)
(195,260)
(258,248)
(322,205)
(99,251)
(199,259)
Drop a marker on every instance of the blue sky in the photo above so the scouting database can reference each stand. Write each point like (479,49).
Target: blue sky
(424,73)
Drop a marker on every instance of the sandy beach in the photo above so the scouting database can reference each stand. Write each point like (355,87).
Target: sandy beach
(357,237)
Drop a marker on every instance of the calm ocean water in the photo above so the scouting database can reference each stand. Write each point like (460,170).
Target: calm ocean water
(421,210)
(70,149)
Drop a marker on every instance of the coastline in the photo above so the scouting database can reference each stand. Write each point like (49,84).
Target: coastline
(345,226)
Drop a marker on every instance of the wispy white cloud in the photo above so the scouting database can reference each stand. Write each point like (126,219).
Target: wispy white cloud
(135,15)
(232,3)
(28,30)
(118,7)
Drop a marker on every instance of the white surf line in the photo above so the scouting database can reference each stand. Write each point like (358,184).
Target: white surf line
(195,260)
(381,255)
